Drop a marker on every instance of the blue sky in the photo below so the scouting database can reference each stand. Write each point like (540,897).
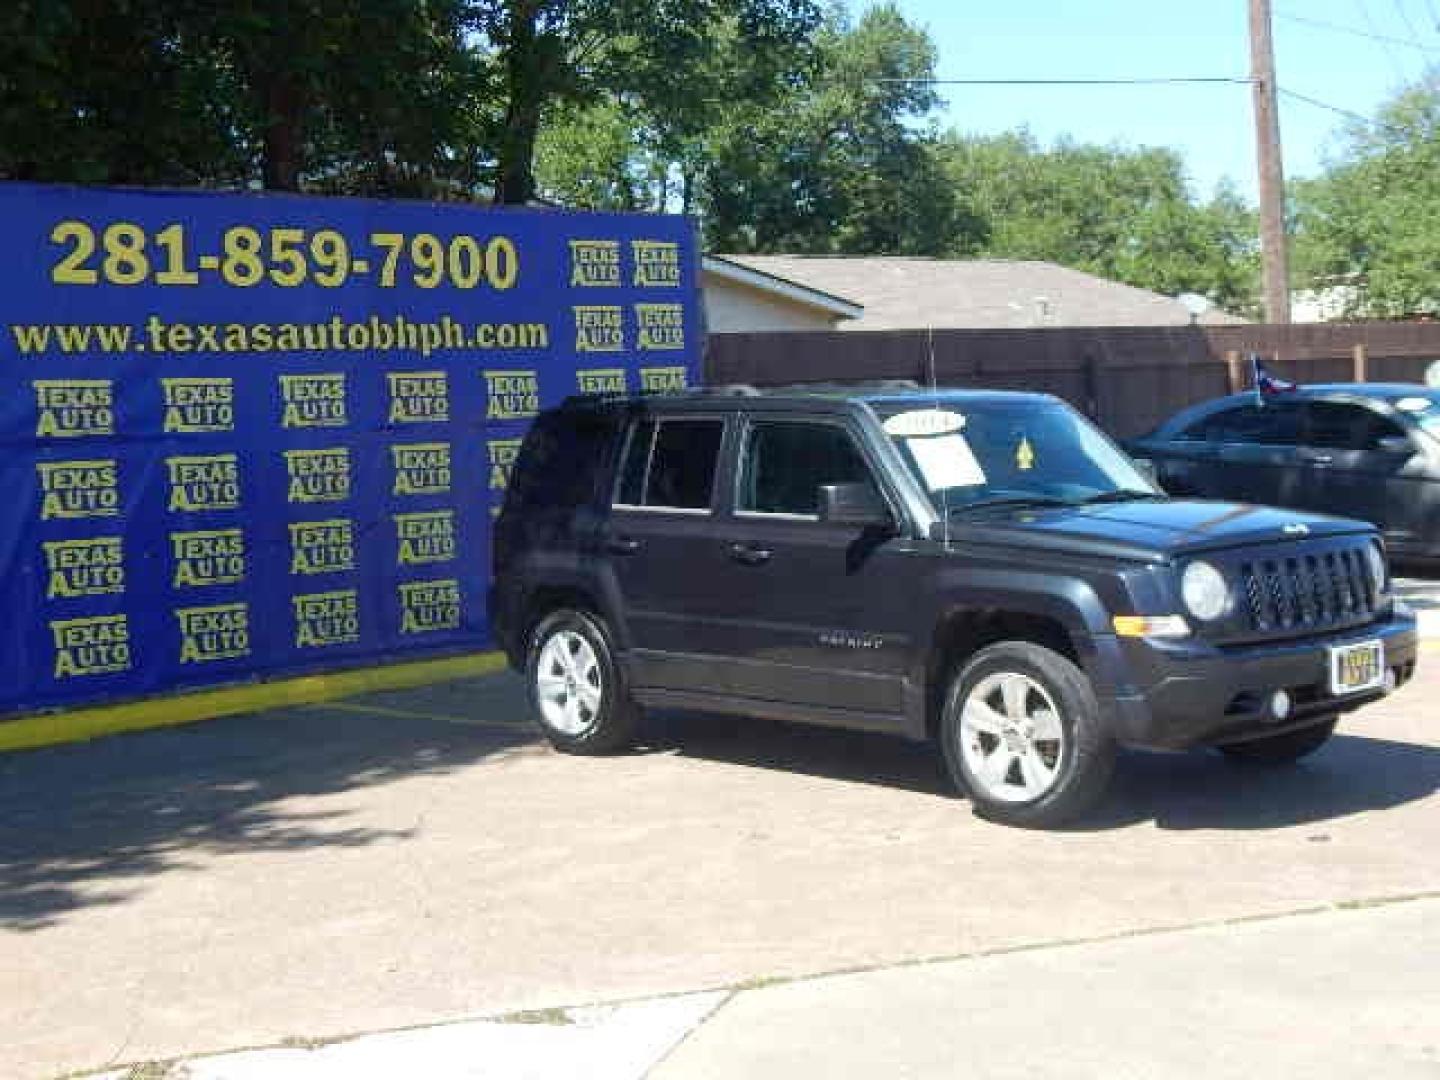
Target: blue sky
(1211,125)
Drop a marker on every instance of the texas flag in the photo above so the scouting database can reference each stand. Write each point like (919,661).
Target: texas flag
(1267,385)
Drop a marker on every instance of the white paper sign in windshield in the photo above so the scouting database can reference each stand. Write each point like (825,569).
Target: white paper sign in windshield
(946,461)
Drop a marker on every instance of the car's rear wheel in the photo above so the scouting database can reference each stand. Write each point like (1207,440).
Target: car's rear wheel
(1022,734)
(1282,749)
(577,693)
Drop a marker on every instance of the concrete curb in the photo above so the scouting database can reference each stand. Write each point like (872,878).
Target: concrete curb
(79,725)
(598,1042)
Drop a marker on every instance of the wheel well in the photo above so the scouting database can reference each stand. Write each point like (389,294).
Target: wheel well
(547,598)
(961,635)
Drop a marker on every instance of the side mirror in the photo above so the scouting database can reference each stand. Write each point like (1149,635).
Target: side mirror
(1394,444)
(858,505)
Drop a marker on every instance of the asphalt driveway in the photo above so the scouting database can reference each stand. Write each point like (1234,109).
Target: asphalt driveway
(415,857)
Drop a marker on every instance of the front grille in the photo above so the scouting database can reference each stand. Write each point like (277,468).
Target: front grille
(1308,592)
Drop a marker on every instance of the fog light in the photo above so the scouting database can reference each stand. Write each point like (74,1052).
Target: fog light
(1279,705)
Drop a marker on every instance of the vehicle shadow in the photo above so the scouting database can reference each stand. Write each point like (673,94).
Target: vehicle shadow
(1200,790)
(86,825)
(1351,774)
(831,753)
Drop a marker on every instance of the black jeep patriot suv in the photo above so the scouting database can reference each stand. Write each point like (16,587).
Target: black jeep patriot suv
(984,569)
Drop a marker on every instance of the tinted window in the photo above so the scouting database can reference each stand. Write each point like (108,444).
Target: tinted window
(1273,424)
(671,463)
(1337,425)
(560,461)
(786,463)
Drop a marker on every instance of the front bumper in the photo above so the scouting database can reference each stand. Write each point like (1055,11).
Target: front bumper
(1182,694)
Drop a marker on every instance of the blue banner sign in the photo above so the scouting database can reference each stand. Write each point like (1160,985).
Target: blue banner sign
(250,436)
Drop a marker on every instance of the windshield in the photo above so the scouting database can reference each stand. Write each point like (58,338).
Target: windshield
(1017,451)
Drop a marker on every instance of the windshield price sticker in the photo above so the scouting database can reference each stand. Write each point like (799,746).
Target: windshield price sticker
(946,461)
(923,422)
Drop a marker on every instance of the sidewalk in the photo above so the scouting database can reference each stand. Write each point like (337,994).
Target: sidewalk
(1337,994)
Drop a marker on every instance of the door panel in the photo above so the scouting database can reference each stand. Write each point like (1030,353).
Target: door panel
(659,545)
(1350,472)
(821,620)
(817,609)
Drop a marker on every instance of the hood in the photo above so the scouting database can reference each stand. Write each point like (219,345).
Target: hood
(1152,531)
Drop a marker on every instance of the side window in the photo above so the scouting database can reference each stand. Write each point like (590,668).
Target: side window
(1274,424)
(786,462)
(1337,425)
(670,464)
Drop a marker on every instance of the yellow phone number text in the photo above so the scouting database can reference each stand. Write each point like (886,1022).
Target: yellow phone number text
(122,253)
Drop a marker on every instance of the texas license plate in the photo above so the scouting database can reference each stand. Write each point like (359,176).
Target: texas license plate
(1357,667)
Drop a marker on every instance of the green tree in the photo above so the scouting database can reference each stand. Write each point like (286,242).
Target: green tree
(362,95)
(841,163)
(1120,213)
(1373,217)
(109,91)
(643,53)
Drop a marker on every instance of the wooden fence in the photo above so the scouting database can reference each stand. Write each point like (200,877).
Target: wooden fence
(1126,378)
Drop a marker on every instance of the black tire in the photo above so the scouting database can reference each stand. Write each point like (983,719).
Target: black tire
(603,730)
(1282,749)
(1080,765)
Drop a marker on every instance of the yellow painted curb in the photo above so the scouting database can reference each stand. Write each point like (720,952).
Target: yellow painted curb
(30,732)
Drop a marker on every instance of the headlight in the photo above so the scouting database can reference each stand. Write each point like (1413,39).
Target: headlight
(1204,590)
(1379,572)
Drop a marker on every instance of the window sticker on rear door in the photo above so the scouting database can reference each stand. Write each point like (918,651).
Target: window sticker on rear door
(946,461)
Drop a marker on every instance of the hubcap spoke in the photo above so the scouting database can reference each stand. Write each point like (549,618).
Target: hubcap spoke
(996,767)
(589,696)
(1044,726)
(981,717)
(1033,772)
(1014,690)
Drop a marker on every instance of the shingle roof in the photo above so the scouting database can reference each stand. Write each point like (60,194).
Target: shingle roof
(904,292)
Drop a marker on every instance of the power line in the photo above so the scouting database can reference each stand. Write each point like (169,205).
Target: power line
(1338,110)
(1355,31)
(1390,54)
(1405,18)
(1365,121)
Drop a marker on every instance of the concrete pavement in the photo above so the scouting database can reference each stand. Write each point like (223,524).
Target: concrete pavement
(310,874)
(1334,995)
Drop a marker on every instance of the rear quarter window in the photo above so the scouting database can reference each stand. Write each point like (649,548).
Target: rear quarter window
(562,461)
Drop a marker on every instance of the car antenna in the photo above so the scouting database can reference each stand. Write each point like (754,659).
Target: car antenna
(935,394)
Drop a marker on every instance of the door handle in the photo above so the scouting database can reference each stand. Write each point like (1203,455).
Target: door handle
(1320,459)
(622,545)
(749,556)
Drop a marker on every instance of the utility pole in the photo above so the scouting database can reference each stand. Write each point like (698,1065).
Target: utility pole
(1274,261)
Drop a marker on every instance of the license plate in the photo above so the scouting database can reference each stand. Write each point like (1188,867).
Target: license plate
(1357,667)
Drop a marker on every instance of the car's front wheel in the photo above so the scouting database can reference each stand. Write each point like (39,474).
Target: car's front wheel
(577,693)
(1022,734)
(1282,749)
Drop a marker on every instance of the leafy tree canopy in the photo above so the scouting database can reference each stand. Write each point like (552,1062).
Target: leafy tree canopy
(1372,220)
(1125,214)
